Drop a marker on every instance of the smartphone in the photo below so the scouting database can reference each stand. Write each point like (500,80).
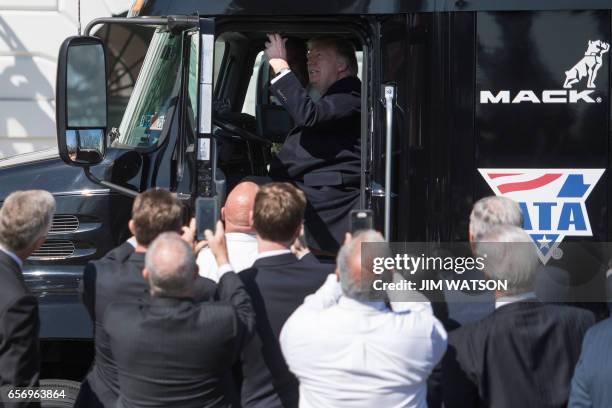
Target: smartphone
(361,220)
(207,215)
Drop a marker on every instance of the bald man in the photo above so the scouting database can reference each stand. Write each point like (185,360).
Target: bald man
(239,232)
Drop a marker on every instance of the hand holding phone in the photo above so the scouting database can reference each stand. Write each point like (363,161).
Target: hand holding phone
(217,243)
(207,215)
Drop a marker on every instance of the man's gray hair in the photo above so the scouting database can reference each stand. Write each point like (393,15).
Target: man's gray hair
(171,265)
(509,255)
(355,284)
(491,211)
(25,217)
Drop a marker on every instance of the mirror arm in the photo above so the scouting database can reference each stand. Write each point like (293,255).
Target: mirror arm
(124,20)
(120,189)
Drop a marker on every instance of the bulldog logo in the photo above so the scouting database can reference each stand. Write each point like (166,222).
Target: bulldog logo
(588,65)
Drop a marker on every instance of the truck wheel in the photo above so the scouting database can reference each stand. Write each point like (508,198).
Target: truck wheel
(71,389)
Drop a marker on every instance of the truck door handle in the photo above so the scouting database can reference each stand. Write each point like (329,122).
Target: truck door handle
(377,190)
(389,97)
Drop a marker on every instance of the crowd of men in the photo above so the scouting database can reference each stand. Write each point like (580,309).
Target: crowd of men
(288,330)
(250,318)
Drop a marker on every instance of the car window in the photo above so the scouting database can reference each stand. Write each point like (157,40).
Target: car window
(251,95)
(145,115)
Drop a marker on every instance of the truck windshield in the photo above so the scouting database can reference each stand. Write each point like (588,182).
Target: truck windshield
(147,109)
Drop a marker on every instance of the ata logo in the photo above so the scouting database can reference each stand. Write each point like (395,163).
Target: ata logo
(552,201)
(587,67)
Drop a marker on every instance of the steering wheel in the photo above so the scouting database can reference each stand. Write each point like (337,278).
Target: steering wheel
(242,133)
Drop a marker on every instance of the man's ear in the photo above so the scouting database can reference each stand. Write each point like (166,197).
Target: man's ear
(223,213)
(145,274)
(298,232)
(251,217)
(132,227)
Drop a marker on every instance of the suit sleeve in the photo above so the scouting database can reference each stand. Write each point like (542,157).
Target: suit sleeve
(19,349)
(306,112)
(87,289)
(458,388)
(579,394)
(205,289)
(231,289)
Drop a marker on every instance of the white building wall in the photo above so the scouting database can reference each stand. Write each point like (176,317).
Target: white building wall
(31,32)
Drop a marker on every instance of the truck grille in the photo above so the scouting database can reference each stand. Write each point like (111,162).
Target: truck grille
(53,249)
(63,223)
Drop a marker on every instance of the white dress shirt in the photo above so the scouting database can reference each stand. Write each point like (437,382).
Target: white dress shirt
(506,300)
(276,252)
(241,250)
(347,353)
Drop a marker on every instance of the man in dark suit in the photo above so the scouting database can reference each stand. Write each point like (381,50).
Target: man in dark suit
(174,351)
(524,353)
(118,277)
(25,219)
(322,154)
(591,381)
(278,283)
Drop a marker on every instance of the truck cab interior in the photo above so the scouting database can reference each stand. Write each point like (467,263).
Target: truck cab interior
(250,124)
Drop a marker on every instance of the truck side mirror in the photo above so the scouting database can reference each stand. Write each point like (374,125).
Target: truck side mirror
(81,109)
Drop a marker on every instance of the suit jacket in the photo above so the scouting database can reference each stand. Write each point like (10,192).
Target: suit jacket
(115,277)
(322,155)
(325,143)
(174,352)
(522,355)
(19,326)
(277,286)
(591,381)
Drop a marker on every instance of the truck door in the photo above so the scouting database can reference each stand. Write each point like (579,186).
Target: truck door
(168,118)
(398,86)
(542,113)
(549,74)
(160,119)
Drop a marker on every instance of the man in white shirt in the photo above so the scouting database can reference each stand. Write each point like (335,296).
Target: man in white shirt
(348,349)
(239,232)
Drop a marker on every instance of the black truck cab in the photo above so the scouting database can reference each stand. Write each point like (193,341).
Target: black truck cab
(460,99)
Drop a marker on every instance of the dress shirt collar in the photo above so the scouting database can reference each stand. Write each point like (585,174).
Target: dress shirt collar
(352,304)
(12,256)
(275,252)
(506,300)
(240,236)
